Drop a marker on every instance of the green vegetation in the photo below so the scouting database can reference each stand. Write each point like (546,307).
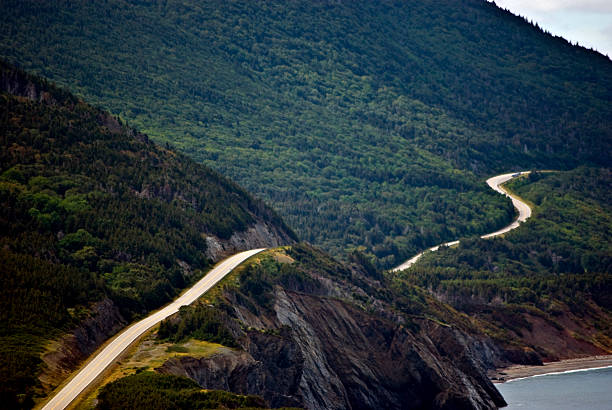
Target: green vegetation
(91,209)
(369,125)
(307,264)
(257,280)
(366,124)
(199,322)
(559,261)
(151,391)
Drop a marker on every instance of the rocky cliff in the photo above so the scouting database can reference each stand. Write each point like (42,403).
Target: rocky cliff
(65,354)
(309,337)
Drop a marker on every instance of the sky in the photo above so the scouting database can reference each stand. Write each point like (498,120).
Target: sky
(587,22)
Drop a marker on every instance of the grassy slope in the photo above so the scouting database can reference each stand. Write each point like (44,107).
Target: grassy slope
(365,123)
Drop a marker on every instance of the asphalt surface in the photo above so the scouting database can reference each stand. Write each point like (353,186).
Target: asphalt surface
(121,342)
(495,183)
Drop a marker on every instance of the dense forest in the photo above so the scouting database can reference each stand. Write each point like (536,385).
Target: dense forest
(91,209)
(370,127)
(558,263)
(552,273)
(367,125)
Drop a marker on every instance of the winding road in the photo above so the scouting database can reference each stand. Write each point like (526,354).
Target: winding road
(111,352)
(121,342)
(495,183)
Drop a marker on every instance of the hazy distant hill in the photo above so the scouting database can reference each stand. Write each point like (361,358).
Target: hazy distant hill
(98,225)
(365,123)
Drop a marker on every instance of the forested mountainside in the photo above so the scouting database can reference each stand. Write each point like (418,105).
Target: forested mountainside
(365,123)
(299,329)
(99,225)
(545,286)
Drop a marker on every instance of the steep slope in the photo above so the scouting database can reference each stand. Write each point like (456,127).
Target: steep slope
(99,225)
(545,286)
(303,330)
(152,392)
(365,123)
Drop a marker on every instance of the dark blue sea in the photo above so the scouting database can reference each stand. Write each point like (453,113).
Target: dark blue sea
(578,389)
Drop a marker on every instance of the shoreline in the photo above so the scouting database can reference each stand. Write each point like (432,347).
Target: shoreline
(516,372)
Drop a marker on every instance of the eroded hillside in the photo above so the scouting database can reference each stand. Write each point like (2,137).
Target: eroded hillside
(302,330)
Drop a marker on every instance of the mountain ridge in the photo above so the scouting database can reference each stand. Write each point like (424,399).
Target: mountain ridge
(99,225)
(346,110)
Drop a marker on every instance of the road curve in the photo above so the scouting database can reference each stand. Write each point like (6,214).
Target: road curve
(111,352)
(495,183)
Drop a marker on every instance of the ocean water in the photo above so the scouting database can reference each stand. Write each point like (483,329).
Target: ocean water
(583,389)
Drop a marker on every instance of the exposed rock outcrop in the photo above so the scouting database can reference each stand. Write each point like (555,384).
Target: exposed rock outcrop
(258,235)
(271,367)
(65,354)
(331,355)
(312,346)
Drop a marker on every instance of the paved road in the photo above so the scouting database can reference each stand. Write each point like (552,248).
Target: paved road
(121,342)
(495,183)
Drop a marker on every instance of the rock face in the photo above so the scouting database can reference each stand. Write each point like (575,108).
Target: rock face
(258,235)
(272,367)
(365,362)
(331,355)
(311,348)
(103,321)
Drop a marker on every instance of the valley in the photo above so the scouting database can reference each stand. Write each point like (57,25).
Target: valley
(94,368)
